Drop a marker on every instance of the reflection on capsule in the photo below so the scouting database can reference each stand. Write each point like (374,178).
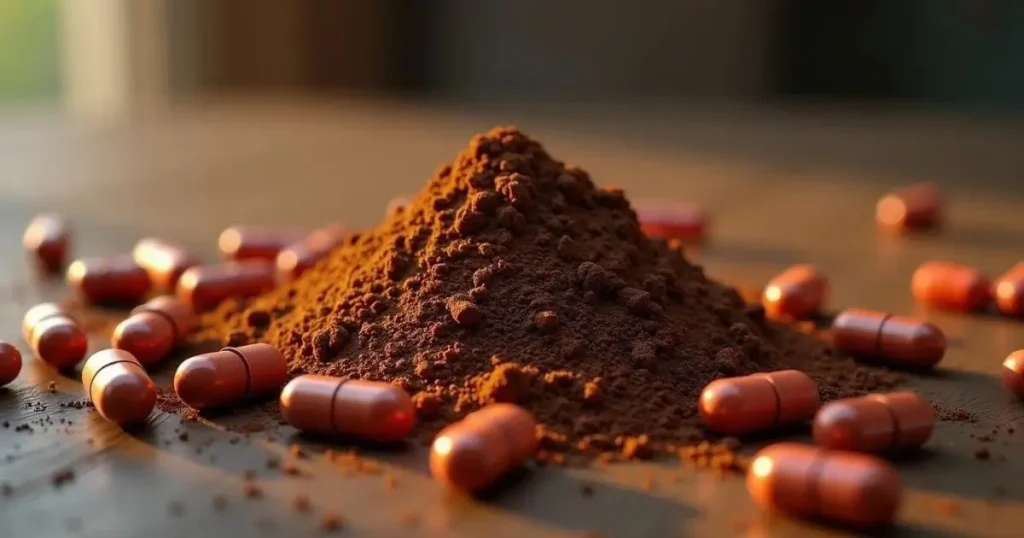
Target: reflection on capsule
(118,386)
(741,405)
(1013,372)
(206,286)
(474,452)
(1008,291)
(227,376)
(895,339)
(364,409)
(10,363)
(114,280)
(876,422)
(38,313)
(681,221)
(950,286)
(300,256)
(796,293)
(239,243)
(916,207)
(153,329)
(163,260)
(57,339)
(46,238)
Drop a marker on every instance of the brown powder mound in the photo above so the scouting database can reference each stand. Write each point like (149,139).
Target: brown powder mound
(512,278)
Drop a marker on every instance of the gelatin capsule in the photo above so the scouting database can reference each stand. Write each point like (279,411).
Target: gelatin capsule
(163,260)
(474,452)
(796,293)
(874,423)
(741,405)
(1008,290)
(895,339)
(365,409)
(229,375)
(47,238)
(239,243)
(118,386)
(38,313)
(10,363)
(206,286)
(810,482)
(299,257)
(114,280)
(950,286)
(153,329)
(1013,372)
(59,341)
(681,221)
(915,207)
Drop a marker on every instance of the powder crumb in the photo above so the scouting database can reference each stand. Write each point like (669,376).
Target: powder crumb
(587,490)
(251,490)
(52,386)
(301,503)
(183,437)
(330,522)
(290,468)
(297,451)
(61,477)
(949,507)
(220,503)
(982,453)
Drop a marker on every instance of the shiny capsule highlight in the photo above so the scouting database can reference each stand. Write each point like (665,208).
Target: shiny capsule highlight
(875,423)
(230,375)
(950,286)
(10,363)
(47,239)
(742,405)
(364,409)
(205,286)
(796,293)
(894,339)
(471,454)
(1008,291)
(300,257)
(118,386)
(239,243)
(163,260)
(113,280)
(54,335)
(1012,372)
(915,207)
(153,329)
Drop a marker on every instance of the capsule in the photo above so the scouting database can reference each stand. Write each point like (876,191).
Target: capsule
(365,409)
(950,286)
(46,239)
(680,221)
(474,452)
(875,423)
(163,260)
(55,336)
(915,207)
(741,405)
(1008,291)
(153,329)
(38,313)
(229,375)
(299,257)
(118,386)
(896,339)
(1013,372)
(114,280)
(796,293)
(810,482)
(206,286)
(239,243)
(10,363)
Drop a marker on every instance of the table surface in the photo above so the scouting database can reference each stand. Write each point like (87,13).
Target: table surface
(784,186)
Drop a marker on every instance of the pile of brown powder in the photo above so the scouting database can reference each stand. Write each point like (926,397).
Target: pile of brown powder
(512,278)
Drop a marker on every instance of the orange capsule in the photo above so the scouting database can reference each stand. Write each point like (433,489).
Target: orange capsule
(950,286)
(206,286)
(330,405)
(163,260)
(474,452)
(229,375)
(796,293)
(681,221)
(811,482)
(10,363)
(874,423)
(896,339)
(255,243)
(47,238)
(118,386)
(298,257)
(117,279)
(1013,372)
(1008,291)
(153,329)
(915,207)
(741,405)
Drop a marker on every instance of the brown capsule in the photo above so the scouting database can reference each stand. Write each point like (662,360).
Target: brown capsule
(239,243)
(365,409)
(810,482)
(163,260)
(796,293)
(680,221)
(147,335)
(874,423)
(47,238)
(10,363)
(1008,291)
(227,376)
(474,452)
(895,339)
(299,257)
(118,386)
(916,207)
(114,280)
(38,313)
(206,286)
(950,286)
(741,405)
(1013,372)
(59,341)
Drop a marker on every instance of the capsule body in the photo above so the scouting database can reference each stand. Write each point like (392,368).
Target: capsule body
(796,293)
(10,363)
(118,386)
(896,339)
(47,238)
(741,405)
(163,260)
(206,286)
(239,243)
(875,423)
(915,207)
(38,313)
(810,482)
(950,286)
(114,280)
(364,409)
(1013,372)
(474,452)
(227,376)
(1008,291)
(153,329)
(58,340)
(681,221)
(300,256)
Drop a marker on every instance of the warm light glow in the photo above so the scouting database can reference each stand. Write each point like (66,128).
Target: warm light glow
(443,445)
(773,294)
(762,467)
(891,210)
(1006,289)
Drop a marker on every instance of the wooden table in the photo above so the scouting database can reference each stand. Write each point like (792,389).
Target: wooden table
(784,186)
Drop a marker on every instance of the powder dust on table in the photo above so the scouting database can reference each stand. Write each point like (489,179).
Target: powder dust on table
(511,277)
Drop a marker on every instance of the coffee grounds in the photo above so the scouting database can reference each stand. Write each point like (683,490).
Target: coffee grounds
(511,277)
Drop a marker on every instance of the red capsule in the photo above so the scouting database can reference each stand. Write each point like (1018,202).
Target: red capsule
(681,221)
(47,238)
(118,386)
(153,329)
(810,482)
(206,286)
(38,313)
(163,260)
(741,405)
(227,376)
(474,452)
(10,363)
(896,339)
(239,243)
(299,257)
(796,293)
(365,409)
(59,341)
(915,207)
(1008,291)
(950,286)
(114,280)
(1013,372)
(874,423)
